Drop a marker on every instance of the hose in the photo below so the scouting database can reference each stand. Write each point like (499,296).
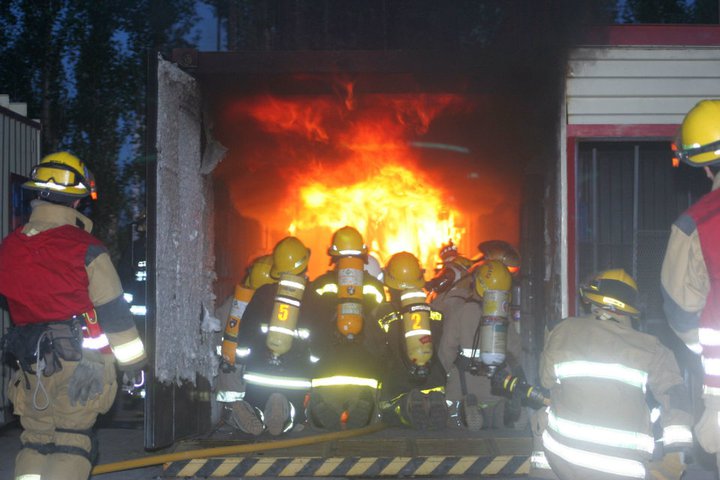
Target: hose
(233,449)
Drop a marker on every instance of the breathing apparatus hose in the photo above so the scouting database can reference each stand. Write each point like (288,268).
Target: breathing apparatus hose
(234,449)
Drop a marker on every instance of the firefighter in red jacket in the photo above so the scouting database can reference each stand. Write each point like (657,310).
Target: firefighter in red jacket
(690,274)
(59,281)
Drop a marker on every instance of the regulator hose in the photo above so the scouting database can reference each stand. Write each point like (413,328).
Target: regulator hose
(233,449)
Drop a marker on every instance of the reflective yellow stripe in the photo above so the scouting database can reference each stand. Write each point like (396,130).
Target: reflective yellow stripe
(435,315)
(291,383)
(129,352)
(371,290)
(608,371)
(344,380)
(327,288)
(29,476)
(594,461)
(601,435)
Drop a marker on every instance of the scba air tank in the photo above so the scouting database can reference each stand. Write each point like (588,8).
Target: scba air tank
(242,297)
(416,324)
(494,327)
(350,294)
(286,309)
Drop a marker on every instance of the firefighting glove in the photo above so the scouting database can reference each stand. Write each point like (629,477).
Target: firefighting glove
(671,467)
(707,430)
(87,381)
(539,421)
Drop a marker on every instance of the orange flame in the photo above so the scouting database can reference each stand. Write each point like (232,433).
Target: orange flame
(349,162)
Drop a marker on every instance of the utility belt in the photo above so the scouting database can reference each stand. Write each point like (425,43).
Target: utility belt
(45,343)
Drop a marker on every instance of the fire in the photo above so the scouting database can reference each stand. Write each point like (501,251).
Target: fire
(351,161)
(395,208)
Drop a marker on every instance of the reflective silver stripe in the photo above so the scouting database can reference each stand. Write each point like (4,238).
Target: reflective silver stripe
(289,301)
(711,366)
(673,434)
(538,460)
(302,333)
(608,371)
(468,353)
(283,330)
(695,348)
(227,396)
(344,380)
(601,435)
(713,391)
(594,461)
(290,383)
(29,476)
(415,333)
(291,284)
(138,310)
(709,336)
(349,252)
(95,343)
(129,352)
(413,294)
(128,297)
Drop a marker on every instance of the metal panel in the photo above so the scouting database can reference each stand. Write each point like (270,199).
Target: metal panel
(639,85)
(180,266)
(19,151)
(627,198)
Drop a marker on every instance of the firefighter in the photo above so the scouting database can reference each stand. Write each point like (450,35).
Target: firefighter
(691,267)
(348,345)
(597,368)
(475,343)
(454,268)
(413,381)
(230,387)
(58,281)
(274,332)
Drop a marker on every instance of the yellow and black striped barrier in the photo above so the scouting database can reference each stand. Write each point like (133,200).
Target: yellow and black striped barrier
(431,466)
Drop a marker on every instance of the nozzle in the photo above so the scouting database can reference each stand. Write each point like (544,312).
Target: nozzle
(532,396)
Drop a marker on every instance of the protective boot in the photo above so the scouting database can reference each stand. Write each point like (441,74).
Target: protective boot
(415,410)
(438,411)
(471,413)
(277,414)
(246,418)
(322,413)
(358,411)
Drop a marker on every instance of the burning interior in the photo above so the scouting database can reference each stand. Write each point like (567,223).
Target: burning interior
(410,170)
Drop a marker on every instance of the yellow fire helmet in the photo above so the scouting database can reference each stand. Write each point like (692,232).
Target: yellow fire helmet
(613,290)
(347,241)
(290,256)
(699,137)
(259,272)
(492,275)
(502,251)
(61,176)
(403,271)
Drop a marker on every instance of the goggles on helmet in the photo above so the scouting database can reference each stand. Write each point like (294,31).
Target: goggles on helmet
(684,154)
(59,174)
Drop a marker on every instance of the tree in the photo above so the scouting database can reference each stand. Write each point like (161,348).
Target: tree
(80,65)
